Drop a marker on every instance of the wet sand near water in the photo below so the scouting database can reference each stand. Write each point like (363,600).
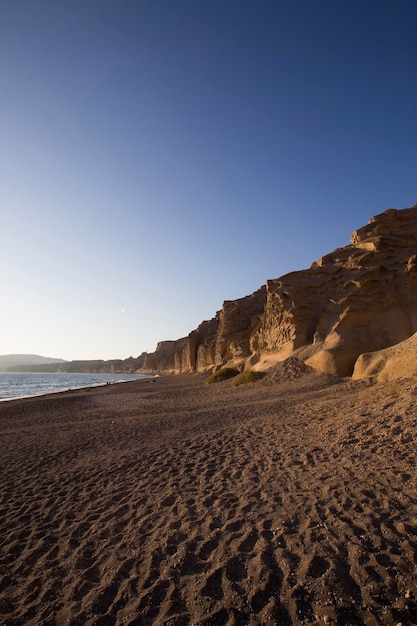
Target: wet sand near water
(291,500)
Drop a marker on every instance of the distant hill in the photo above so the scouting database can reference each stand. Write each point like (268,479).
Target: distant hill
(35,363)
(16,361)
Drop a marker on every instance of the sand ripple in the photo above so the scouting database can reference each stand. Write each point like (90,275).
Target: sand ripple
(180,503)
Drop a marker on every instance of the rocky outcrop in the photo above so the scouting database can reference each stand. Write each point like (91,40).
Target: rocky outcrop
(223,339)
(357,299)
(398,361)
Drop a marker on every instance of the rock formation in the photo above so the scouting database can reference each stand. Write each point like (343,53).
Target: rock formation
(223,339)
(358,299)
(397,361)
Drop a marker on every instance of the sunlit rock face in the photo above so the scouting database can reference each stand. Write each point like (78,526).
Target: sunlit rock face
(223,339)
(357,299)
(397,361)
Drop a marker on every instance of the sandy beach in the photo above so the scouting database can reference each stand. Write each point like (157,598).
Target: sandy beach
(291,500)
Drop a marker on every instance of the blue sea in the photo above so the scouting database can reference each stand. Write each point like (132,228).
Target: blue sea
(18,385)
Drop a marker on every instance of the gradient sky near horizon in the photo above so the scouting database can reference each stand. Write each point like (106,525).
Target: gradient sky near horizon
(158,157)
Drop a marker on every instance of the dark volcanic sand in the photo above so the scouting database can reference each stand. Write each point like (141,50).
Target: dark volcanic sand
(291,500)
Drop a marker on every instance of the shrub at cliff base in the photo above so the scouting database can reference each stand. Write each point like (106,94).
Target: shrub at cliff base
(222,374)
(247,377)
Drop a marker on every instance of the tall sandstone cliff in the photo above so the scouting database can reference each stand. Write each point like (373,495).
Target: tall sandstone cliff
(358,299)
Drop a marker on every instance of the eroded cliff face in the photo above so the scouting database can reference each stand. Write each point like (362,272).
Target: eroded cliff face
(360,298)
(221,340)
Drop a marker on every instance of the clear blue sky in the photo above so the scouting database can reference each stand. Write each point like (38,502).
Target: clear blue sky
(160,156)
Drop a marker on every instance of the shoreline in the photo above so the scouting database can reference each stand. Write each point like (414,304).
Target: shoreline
(286,501)
(66,390)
